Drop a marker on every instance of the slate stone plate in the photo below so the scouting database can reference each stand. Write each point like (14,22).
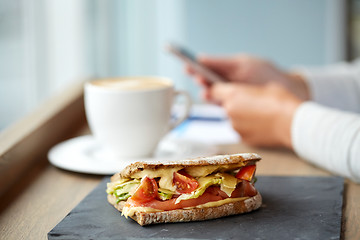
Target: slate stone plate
(293,208)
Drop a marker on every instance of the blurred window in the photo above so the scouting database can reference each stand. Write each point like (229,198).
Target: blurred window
(45,45)
(354,29)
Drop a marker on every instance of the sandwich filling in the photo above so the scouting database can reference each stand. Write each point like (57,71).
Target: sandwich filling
(165,189)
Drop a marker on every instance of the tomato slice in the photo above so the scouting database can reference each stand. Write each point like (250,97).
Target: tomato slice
(146,191)
(246,173)
(184,182)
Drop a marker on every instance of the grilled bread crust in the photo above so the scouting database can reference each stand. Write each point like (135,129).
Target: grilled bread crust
(193,214)
(233,159)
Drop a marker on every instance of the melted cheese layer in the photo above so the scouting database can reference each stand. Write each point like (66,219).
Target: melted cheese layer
(165,175)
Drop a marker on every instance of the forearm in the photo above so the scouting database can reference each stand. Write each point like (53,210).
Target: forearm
(328,138)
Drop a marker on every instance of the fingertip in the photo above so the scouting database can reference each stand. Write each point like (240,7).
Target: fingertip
(203,81)
(189,70)
(205,95)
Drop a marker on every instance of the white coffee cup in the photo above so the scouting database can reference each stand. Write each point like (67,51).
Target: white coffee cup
(130,115)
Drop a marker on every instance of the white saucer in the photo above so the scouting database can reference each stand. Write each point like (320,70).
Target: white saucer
(83,154)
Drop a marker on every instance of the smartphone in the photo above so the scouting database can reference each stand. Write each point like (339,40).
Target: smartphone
(189,58)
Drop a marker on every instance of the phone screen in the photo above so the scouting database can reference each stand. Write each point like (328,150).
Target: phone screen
(187,54)
(190,58)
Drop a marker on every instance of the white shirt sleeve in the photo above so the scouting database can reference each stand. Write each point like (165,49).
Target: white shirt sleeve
(336,86)
(328,135)
(328,138)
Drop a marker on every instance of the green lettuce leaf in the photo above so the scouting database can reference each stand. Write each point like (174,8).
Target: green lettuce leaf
(122,190)
(165,194)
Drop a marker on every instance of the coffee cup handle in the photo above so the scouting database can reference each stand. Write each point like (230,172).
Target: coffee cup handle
(186,112)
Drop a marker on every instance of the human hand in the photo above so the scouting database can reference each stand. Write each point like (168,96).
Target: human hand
(261,114)
(248,69)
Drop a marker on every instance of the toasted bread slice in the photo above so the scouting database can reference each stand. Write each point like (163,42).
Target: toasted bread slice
(234,159)
(192,214)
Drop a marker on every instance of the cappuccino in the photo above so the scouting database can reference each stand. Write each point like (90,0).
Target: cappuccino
(129,116)
(134,83)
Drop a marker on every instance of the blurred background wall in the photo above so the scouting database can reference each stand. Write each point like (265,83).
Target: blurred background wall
(45,45)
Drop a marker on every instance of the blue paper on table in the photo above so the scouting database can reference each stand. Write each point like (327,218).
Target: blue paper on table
(293,208)
(207,124)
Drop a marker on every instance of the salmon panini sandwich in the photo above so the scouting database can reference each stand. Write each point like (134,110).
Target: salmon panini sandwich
(187,190)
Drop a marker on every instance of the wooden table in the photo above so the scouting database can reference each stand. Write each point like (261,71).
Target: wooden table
(41,195)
